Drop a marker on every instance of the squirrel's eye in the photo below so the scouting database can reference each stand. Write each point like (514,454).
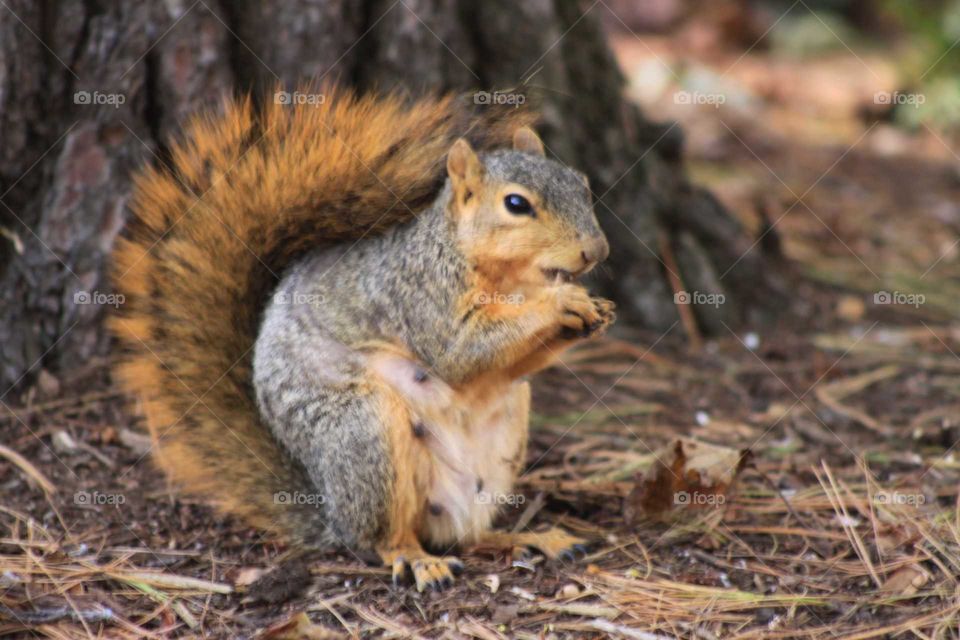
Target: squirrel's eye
(518,205)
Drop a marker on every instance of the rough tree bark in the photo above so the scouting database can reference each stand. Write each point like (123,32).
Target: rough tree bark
(90,90)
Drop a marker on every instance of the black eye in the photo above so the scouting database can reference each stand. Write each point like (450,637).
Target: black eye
(518,205)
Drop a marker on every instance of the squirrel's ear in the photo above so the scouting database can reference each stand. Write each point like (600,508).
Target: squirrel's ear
(463,165)
(526,139)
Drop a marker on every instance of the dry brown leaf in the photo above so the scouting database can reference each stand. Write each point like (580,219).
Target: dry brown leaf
(687,473)
(905,581)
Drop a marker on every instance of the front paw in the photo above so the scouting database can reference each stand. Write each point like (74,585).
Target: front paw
(584,316)
(607,315)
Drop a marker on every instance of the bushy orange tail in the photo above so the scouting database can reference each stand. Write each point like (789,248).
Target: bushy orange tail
(209,238)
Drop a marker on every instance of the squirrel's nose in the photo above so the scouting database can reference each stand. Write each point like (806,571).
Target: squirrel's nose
(595,250)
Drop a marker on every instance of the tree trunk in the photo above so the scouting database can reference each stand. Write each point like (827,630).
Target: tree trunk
(91,90)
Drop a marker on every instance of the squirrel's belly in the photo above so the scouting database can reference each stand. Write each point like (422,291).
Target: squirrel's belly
(474,466)
(474,445)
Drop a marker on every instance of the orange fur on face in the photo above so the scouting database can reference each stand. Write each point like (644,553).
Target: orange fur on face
(510,252)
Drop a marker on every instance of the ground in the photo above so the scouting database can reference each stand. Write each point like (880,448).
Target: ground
(843,521)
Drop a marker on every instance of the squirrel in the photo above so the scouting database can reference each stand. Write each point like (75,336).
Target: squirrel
(330,330)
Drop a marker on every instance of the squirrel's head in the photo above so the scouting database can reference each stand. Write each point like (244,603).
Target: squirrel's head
(524,215)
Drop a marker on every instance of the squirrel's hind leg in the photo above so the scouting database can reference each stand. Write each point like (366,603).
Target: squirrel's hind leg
(400,547)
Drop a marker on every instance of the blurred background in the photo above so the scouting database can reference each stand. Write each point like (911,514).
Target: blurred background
(835,123)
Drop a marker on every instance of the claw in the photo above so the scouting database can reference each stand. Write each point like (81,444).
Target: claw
(399,570)
(428,571)
(431,572)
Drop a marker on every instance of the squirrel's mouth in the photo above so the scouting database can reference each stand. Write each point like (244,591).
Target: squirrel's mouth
(559,276)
